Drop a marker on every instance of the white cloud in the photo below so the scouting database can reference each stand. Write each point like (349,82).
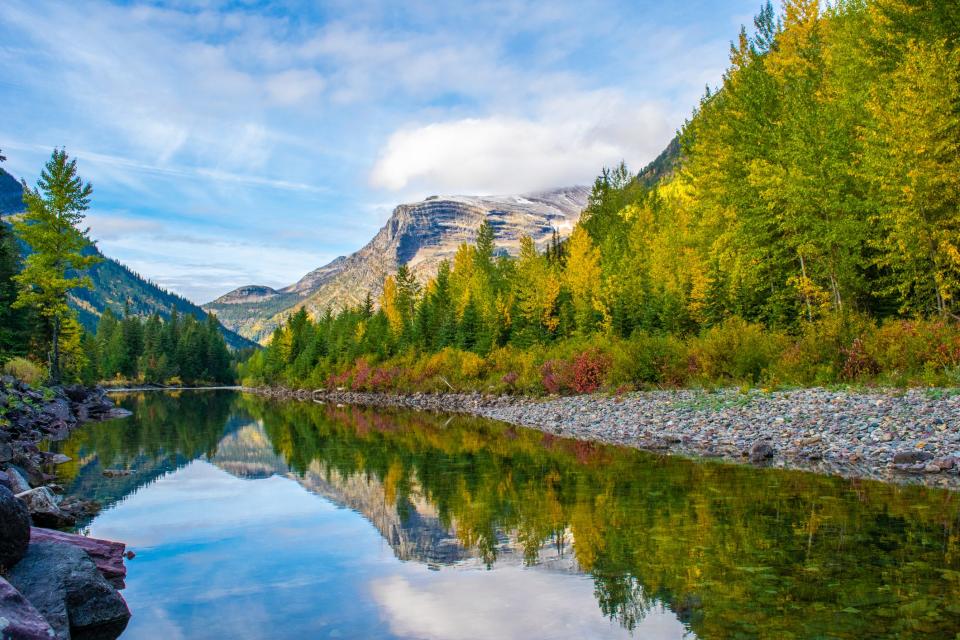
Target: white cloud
(294,86)
(567,144)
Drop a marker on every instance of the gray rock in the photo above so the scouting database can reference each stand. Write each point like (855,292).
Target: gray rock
(19,620)
(6,452)
(761,451)
(17,481)
(44,508)
(14,529)
(64,585)
(911,457)
(58,409)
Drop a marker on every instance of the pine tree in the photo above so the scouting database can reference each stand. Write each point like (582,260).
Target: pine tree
(912,159)
(49,227)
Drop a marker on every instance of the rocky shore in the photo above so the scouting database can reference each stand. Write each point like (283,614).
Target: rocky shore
(906,436)
(52,584)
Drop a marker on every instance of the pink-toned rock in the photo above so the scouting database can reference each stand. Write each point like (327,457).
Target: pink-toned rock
(106,554)
(18,618)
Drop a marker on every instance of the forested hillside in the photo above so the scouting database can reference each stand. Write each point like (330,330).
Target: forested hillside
(810,234)
(115,286)
(56,289)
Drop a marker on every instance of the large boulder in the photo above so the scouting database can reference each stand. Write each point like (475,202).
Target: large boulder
(106,554)
(19,620)
(64,585)
(44,508)
(14,529)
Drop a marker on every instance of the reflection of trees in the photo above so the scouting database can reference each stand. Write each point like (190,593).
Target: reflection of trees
(732,550)
(166,431)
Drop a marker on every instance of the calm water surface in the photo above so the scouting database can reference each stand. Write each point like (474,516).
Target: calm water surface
(253,518)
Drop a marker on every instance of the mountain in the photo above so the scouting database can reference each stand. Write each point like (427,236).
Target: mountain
(419,235)
(115,286)
(11,194)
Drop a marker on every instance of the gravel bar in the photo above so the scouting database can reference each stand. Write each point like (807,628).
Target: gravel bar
(893,435)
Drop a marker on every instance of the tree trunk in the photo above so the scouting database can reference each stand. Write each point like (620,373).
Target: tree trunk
(806,294)
(55,357)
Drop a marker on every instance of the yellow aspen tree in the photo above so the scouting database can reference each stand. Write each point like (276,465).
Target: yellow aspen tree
(388,302)
(582,278)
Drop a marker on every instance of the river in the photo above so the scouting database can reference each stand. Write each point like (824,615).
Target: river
(255,518)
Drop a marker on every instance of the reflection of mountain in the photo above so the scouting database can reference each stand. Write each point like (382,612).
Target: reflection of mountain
(410,525)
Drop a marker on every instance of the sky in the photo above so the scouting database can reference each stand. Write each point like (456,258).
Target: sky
(245,142)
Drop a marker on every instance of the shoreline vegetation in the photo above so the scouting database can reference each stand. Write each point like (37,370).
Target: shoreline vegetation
(802,233)
(890,435)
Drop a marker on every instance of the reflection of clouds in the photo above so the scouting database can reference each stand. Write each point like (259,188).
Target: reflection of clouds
(177,506)
(507,602)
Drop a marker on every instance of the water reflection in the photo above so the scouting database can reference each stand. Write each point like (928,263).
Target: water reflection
(258,514)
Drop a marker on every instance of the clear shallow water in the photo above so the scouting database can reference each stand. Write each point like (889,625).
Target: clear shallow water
(260,519)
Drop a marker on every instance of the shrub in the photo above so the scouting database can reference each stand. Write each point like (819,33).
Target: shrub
(555,376)
(23,369)
(650,359)
(819,354)
(589,371)
(911,350)
(736,350)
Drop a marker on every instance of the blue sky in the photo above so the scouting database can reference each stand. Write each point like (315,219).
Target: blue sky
(244,142)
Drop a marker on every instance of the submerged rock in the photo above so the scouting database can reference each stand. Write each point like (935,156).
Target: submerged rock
(14,529)
(19,620)
(64,585)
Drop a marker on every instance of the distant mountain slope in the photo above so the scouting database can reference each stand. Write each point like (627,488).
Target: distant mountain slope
(11,194)
(663,166)
(419,235)
(114,285)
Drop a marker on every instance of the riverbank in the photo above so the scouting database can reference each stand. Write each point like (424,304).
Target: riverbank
(29,416)
(52,584)
(892,435)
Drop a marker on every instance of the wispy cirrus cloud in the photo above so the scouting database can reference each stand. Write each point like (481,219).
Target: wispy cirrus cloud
(237,120)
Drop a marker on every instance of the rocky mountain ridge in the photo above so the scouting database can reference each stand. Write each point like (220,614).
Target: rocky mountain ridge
(420,235)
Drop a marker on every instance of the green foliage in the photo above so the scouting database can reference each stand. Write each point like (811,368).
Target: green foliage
(49,228)
(14,321)
(810,199)
(151,350)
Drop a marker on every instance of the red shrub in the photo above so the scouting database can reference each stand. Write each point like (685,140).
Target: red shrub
(590,371)
(361,375)
(586,374)
(857,363)
(555,376)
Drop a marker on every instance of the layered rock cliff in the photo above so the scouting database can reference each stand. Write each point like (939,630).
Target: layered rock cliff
(419,235)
